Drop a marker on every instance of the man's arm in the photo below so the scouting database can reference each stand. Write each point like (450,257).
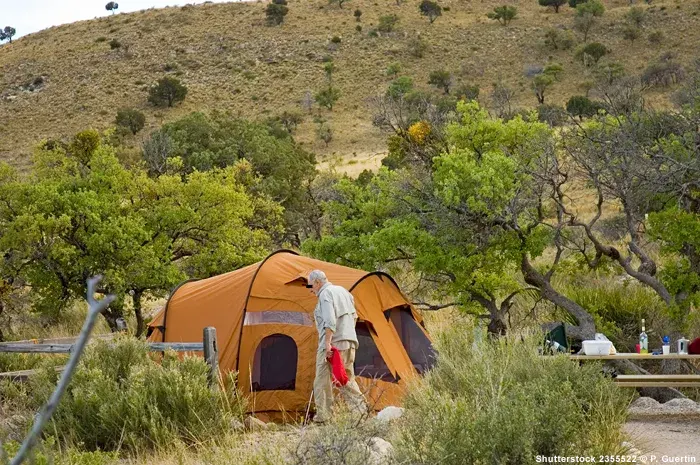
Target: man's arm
(329,320)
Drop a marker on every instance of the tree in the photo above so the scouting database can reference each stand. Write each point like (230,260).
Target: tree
(7,33)
(557,39)
(112,6)
(357,14)
(399,87)
(80,213)
(276,11)
(647,163)
(593,51)
(325,133)
(553,3)
(417,47)
(467,92)
(130,119)
(167,92)
(540,84)
(393,69)
(503,14)
(636,16)
(462,224)
(587,15)
(339,2)
(327,97)
(581,107)
(575,3)
(430,9)
(441,79)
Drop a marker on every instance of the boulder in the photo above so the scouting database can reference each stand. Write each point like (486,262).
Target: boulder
(253,424)
(390,413)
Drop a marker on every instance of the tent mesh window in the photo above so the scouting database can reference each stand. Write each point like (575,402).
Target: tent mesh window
(275,364)
(414,340)
(369,363)
(277,317)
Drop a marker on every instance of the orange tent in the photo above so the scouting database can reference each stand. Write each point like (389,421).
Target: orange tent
(263,315)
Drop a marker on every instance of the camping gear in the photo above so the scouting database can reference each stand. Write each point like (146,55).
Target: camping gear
(683,345)
(263,314)
(339,376)
(556,339)
(593,347)
(666,345)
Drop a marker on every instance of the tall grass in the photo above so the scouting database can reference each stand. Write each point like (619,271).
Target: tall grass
(122,399)
(500,402)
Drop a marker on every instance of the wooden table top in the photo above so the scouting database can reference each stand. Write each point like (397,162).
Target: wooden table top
(634,356)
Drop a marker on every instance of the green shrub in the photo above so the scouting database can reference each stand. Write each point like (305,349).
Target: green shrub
(553,3)
(393,69)
(581,106)
(467,92)
(442,79)
(503,14)
(503,403)
(167,92)
(636,16)
(121,398)
(387,23)
(130,120)
(114,44)
(101,39)
(593,51)
(358,28)
(631,32)
(430,9)
(327,97)
(335,40)
(575,3)
(275,12)
(663,74)
(557,39)
(400,87)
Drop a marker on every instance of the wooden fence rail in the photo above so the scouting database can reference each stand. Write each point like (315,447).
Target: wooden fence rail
(208,346)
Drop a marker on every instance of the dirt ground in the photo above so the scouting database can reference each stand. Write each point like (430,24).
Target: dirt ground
(676,439)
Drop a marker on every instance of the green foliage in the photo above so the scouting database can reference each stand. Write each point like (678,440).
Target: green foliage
(663,73)
(557,39)
(130,120)
(275,12)
(591,53)
(430,9)
(636,16)
(387,23)
(442,79)
(399,87)
(81,213)
(335,40)
(467,92)
(581,106)
(501,402)
(324,133)
(327,97)
(553,3)
(167,92)
(393,69)
(609,73)
(503,14)
(112,6)
(540,83)
(593,7)
(114,44)
(7,33)
(575,3)
(121,399)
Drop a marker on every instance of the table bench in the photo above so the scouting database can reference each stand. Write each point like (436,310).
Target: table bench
(648,380)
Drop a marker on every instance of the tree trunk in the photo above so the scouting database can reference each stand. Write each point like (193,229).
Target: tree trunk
(140,327)
(112,313)
(586,326)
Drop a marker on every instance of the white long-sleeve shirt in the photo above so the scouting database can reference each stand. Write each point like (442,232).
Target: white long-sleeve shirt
(336,310)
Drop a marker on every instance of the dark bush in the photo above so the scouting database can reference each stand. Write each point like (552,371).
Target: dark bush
(594,50)
(335,40)
(417,47)
(357,14)
(276,12)
(553,3)
(167,92)
(387,23)
(557,39)
(430,9)
(581,106)
(114,44)
(131,120)
(503,14)
(663,74)
(441,79)
(553,115)
(467,92)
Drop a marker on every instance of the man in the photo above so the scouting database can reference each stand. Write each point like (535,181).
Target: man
(335,317)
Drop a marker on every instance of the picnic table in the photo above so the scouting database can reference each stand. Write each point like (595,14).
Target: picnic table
(648,380)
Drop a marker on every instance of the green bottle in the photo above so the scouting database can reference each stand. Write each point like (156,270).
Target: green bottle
(643,341)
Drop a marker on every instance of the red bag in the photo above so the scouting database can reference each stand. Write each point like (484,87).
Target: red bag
(338,374)
(694,347)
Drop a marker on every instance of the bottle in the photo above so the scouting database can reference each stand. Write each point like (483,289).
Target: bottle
(643,341)
(666,345)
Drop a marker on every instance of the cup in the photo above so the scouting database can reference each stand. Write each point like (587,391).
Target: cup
(636,348)
(666,349)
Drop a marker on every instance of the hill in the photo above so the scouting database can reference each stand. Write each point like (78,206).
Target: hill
(60,80)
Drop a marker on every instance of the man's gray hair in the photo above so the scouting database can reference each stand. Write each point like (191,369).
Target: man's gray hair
(318,275)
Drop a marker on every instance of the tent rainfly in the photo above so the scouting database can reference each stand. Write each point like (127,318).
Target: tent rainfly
(263,314)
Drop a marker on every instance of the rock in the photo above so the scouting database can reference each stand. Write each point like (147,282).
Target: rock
(390,413)
(645,402)
(253,424)
(380,451)
(680,406)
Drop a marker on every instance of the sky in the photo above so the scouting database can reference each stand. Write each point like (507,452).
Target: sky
(28,16)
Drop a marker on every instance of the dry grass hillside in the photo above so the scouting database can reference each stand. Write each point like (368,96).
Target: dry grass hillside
(67,78)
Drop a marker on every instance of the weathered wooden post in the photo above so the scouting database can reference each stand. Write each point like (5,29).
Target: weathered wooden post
(211,355)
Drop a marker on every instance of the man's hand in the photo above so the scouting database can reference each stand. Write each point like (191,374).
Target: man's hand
(329,353)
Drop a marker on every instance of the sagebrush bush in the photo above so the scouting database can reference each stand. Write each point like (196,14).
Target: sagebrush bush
(121,398)
(500,402)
